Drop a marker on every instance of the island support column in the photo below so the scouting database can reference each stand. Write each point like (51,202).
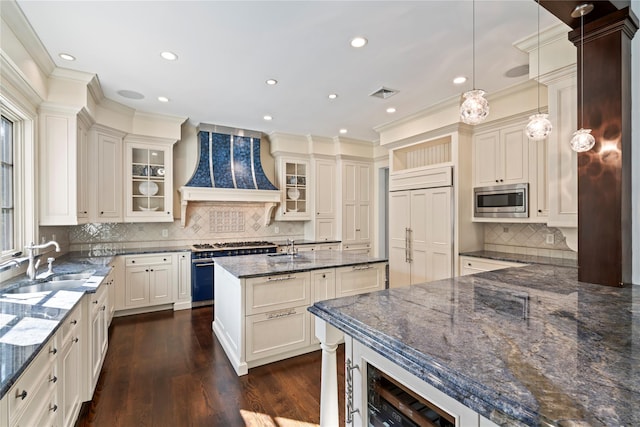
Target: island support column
(329,338)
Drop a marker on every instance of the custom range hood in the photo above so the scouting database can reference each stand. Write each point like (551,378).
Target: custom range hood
(229,170)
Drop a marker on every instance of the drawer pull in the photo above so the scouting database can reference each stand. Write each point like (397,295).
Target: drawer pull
(366,267)
(95,302)
(22,395)
(278,314)
(53,408)
(53,351)
(468,264)
(280,279)
(74,322)
(53,379)
(104,307)
(75,339)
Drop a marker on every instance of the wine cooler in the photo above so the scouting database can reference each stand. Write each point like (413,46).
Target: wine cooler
(391,404)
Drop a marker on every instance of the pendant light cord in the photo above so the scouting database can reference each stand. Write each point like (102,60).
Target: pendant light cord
(538,56)
(473,43)
(582,70)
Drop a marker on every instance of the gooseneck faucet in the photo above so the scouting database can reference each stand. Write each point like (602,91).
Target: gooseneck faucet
(33,263)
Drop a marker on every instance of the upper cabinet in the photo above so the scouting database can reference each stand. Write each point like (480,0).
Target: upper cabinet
(356,202)
(501,156)
(105,177)
(322,226)
(149,179)
(293,176)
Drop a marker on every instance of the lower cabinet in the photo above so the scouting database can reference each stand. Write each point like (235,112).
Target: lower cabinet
(472,265)
(359,279)
(71,340)
(154,280)
(97,336)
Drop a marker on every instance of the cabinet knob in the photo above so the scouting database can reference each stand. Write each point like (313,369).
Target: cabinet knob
(497,180)
(502,180)
(74,322)
(75,339)
(133,261)
(22,395)
(53,408)
(324,276)
(53,350)
(53,379)
(101,212)
(539,210)
(95,302)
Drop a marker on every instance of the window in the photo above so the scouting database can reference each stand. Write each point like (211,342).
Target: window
(7,241)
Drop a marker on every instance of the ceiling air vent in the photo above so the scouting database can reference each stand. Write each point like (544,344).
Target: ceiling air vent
(384,93)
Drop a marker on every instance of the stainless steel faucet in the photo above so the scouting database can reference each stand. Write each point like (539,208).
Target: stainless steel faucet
(291,247)
(33,263)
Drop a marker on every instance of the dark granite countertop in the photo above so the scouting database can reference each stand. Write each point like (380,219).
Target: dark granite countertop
(525,259)
(264,265)
(569,356)
(302,242)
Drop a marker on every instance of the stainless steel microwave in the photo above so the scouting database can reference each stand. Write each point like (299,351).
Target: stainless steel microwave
(501,201)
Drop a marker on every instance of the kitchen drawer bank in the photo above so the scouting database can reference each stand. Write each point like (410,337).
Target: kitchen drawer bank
(52,347)
(261,300)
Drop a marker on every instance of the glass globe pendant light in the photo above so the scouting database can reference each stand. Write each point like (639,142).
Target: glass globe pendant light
(582,139)
(539,126)
(475,107)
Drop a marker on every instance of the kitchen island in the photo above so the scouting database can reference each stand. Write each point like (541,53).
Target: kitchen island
(521,346)
(261,301)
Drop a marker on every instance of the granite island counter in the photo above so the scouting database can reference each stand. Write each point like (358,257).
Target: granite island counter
(261,301)
(522,346)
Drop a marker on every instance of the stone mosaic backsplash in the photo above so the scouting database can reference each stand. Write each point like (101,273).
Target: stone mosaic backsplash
(206,223)
(527,239)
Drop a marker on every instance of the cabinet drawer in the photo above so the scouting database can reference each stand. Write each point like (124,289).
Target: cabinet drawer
(472,265)
(276,332)
(71,325)
(277,292)
(98,299)
(34,385)
(131,261)
(359,279)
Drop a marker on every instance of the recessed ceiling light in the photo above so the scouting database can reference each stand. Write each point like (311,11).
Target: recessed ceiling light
(131,94)
(358,42)
(343,131)
(169,56)
(459,80)
(391,110)
(268,117)
(163,99)
(67,57)
(271,82)
(333,95)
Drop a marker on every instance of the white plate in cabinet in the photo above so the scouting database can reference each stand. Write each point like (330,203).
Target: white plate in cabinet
(276,332)
(358,279)
(264,294)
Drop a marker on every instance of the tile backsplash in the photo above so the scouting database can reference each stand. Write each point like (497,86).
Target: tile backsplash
(206,223)
(529,239)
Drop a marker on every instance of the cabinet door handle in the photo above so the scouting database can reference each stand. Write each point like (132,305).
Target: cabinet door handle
(209,264)
(53,351)
(74,322)
(104,307)
(324,276)
(22,395)
(53,379)
(349,391)
(95,302)
(75,339)
(53,408)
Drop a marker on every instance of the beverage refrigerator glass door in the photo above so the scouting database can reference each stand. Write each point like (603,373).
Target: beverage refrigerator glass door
(501,201)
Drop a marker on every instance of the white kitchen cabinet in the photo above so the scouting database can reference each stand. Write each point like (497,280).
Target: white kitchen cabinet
(323,284)
(148,280)
(84,171)
(183,295)
(107,174)
(314,247)
(323,226)
(32,400)
(420,236)
(149,179)
(97,336)
(539,181)
(472,265)
(70,362)
(293,179)
(110,283)
(501,156)
(61,165)
(563,162)
(358,279)
(356,203)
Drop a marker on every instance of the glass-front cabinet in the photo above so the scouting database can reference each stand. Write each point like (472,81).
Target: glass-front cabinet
(294,184)
(150,180)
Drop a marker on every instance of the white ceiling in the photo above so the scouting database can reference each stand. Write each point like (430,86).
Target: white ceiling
(227,49)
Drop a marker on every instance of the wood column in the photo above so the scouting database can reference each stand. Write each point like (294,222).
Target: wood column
(604,172)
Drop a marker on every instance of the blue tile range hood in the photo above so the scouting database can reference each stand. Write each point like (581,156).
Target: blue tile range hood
(229,170)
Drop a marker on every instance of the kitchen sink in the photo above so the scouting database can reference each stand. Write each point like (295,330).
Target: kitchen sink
(84,275)
(47,286)
(283,258)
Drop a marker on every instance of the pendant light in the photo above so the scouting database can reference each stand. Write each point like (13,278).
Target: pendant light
(475,107)
(539,126)
(582,139)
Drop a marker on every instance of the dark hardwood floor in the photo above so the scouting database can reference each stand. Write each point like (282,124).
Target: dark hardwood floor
(168,369)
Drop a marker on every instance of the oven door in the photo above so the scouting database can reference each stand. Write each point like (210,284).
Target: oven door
(201,282)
